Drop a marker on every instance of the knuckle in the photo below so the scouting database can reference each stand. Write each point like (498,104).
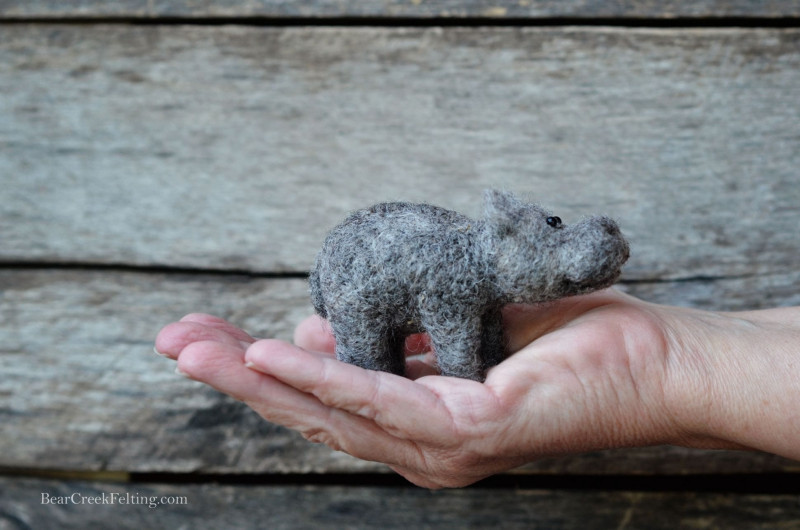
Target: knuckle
(321,436)
(368,411)
(457,465)
(452,482)
(451,479)
(367,405)
(456,470)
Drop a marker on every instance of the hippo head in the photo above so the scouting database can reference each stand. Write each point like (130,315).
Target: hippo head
(539,258)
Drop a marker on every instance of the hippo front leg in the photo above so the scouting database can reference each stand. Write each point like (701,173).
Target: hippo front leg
(493,338)
(467,347)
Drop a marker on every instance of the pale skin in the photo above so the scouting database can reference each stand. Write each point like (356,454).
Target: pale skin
(605,370)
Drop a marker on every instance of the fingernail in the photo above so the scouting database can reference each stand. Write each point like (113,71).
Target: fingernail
(155,350)
(252,366)
(181,373)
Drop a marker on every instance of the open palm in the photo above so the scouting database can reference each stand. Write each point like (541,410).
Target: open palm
(586,373)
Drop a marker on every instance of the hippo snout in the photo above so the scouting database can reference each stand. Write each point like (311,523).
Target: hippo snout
(593,255)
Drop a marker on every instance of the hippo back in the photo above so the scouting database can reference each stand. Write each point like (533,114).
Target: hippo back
(395,251)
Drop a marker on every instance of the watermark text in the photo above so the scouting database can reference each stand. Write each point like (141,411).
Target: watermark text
(114,498)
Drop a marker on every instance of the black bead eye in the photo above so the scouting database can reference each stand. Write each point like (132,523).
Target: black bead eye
(554,221)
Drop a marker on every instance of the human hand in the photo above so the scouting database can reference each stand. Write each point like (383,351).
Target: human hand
(587,373)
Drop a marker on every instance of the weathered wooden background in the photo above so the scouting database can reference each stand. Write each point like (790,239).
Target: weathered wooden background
(164,157)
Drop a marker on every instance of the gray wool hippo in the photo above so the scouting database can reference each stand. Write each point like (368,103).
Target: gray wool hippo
(399,268)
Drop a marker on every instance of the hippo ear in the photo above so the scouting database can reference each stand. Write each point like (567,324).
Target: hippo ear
(502,209)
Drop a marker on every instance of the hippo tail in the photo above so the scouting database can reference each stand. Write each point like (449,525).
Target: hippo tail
(316,293)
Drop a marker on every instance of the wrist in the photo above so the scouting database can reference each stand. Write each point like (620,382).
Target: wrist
(733,379)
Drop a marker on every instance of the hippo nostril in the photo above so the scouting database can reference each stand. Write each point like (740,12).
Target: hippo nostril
(610,227)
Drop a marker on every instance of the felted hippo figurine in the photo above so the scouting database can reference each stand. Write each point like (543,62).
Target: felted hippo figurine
(399,268)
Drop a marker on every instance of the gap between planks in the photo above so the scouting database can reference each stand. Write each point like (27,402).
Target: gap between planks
(683,22)
(147,269)
(303,275)
(750,483)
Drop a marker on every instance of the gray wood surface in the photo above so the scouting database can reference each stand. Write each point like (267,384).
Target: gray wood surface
(489,9)
(82,389)
(235,148)
(302,507)
(238,147)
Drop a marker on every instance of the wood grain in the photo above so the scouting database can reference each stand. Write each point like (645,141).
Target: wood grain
(82,389)
(239,147)
(490,9)
(293,507)
(235,148)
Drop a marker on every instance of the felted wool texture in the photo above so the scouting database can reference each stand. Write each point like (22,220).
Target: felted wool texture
(399,268)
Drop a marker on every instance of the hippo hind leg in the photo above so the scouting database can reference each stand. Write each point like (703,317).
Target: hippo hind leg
(373,347)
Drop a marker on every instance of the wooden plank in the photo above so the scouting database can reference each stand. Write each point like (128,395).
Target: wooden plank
(290,507)
(81,389)
(238,147)
(494,9)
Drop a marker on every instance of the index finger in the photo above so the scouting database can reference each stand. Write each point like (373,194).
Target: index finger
(394,403)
